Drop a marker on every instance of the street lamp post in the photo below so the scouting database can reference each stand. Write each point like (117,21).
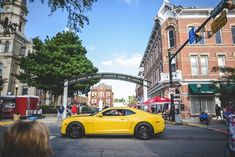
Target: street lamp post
(15,116)
(199,89)
(16,87)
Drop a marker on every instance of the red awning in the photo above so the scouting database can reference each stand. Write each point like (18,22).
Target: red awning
(157,100)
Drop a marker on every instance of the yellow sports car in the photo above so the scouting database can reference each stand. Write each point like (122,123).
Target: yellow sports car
(117,120)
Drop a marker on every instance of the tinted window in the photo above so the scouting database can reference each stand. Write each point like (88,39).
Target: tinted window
(113,112)
(129,112)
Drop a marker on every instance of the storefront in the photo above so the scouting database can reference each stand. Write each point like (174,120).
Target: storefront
(202,98)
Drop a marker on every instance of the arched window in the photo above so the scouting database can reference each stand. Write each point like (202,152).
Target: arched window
(20,26)
(7,44)
(171,37)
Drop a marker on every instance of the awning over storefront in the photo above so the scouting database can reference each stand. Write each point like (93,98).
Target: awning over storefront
(204,89)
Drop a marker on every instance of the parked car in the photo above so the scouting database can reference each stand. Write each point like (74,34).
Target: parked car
(117,120)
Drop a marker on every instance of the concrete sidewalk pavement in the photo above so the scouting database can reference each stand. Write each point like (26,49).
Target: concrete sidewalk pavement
(215,125)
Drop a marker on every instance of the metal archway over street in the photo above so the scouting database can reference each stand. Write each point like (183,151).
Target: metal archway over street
(115,76)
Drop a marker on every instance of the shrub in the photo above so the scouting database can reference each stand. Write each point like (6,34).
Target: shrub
(48,109)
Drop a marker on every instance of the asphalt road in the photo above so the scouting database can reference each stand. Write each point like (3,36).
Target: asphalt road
(177,141)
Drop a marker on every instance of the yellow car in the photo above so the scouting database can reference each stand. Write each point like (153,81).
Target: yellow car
(117,120)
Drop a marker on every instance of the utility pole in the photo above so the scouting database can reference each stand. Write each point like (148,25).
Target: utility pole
(172,109)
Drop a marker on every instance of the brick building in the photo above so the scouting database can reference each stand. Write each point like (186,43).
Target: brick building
(101,94)
(192,75)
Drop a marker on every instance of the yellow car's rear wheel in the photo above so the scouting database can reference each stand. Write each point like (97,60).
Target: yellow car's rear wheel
(143,131)
(75,130)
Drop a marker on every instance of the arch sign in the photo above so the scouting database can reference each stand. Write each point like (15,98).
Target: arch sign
(115,76)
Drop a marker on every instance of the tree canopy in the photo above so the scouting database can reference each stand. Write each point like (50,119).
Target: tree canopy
(74,8)
(226,83)
(55,60)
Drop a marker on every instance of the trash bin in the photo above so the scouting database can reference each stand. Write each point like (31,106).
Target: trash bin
(16,117)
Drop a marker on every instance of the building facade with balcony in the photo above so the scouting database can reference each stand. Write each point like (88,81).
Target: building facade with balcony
(101,95)
(192,67)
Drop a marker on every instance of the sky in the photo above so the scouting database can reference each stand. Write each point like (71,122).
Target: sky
(116,37)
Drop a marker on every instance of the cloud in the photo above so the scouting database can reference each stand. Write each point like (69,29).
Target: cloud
(124,61)
(66,29)
(91,48)
(107,63)
(134,3)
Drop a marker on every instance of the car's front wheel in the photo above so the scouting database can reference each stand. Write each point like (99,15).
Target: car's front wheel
(143,131)
(75,130)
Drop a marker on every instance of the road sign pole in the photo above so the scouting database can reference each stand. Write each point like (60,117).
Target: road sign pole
(172,109)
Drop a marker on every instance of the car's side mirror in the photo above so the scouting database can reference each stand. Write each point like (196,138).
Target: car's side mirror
(100,115)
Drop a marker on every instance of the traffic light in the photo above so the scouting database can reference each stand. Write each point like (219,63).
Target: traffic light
(230,4)
(198,36)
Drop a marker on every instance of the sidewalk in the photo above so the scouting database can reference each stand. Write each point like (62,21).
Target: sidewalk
(216,125)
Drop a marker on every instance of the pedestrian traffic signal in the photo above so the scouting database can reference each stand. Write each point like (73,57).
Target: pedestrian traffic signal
(229,4)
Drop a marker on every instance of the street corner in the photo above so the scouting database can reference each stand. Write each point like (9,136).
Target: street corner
(174,123)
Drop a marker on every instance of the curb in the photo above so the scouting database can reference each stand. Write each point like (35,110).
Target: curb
(199,126)
(6,123)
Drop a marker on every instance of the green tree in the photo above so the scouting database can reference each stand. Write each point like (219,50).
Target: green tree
(226,84)
(2,82)
(74,8)
(55,60)
(132,100)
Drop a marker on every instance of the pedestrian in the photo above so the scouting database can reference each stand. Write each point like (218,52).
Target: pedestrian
(26,139)
(74,109)
(217,112)
(60,111)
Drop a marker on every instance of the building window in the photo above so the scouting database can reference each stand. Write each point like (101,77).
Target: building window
(93,93)
(202,40)
(171,38)
(218,37)
(221,62)
(1,68)
(101,94)
(24,90)
(194,65)
(233,34)
(7,44)
(93,101)
(204,65)
(20,26)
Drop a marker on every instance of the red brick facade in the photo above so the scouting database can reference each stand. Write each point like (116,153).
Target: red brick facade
(194,62)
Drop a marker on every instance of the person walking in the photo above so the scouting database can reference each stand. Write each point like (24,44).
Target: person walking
(217,112)
(60,111)
(26,139)
(74,109)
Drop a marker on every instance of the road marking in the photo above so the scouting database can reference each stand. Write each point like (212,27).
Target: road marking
(51,137)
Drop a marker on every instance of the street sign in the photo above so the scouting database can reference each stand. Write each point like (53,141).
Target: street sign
(192,36)
(219,22)
(172,90)
(218,8)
